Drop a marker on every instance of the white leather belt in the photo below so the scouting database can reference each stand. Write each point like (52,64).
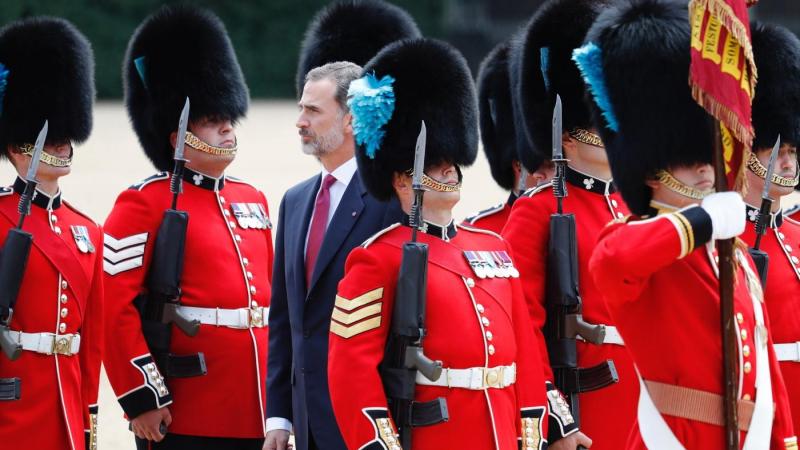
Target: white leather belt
(612,336)
(48,343)
(788,352)
(474,378)
(240,318)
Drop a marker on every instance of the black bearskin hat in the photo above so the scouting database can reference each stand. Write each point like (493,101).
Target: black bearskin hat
(407,82)
(496,116)
(545,68)
(636,65)
(46,73)
(776,106)
(180,51)
(354,31)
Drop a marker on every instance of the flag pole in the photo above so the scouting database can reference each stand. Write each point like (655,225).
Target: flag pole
(727,273)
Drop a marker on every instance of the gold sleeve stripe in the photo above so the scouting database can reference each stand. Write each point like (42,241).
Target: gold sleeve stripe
(361,300)
(791,443)
(681,230)
(688,230)
(347,319)
(353,330)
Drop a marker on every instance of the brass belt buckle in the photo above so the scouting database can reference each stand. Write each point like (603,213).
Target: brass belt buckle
(256,317)
(62,345)
(494,377)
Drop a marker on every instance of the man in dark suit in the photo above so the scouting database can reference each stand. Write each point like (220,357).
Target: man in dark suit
(321,219)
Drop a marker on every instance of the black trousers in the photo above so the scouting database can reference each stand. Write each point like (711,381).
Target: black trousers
(312,444)
(184,442)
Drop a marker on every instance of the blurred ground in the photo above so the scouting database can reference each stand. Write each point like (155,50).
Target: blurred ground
(269,157)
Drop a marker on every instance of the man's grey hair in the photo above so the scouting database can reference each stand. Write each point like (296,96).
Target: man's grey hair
(341,73)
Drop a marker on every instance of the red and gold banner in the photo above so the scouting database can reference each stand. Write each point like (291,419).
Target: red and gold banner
(723,74)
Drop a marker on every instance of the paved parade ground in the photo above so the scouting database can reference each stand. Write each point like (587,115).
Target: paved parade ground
(269,157)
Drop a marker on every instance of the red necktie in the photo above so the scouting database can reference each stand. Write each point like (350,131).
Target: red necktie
(319,222)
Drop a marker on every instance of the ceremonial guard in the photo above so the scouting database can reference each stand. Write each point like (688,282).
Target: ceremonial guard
(446,363)
(496,122)
(658,270)
(51,278)
(543,54)
(776,114)
(188,250)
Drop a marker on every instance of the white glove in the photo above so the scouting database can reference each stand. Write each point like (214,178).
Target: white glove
(728,214)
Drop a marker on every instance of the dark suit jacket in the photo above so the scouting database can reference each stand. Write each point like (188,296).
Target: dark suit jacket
(299,316)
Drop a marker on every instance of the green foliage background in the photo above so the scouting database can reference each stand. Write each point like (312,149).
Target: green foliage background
(265,33)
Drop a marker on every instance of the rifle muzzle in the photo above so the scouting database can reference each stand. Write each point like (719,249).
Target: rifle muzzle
(415,359)
(576,326)
(11,348)
(174,315)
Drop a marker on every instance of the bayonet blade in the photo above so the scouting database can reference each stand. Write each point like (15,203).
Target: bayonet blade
(181,137)
(522,185)
(558,152)
(419,158)
(37,153)
(771,167)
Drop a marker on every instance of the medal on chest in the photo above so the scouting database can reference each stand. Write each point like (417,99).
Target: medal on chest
(251,215)
(81,235)
(260,214)
(491,264)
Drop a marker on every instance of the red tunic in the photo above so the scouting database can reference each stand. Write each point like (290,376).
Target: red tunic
(494,218)
(225,266)
(782,244)
(660,284)
(61,293)
(605,414)
(472,323)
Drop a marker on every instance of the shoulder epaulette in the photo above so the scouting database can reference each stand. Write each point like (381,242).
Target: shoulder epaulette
(480,230)
(80,213)
(535,190)
(486,212)
(375,236)
(240,181)
(152,178)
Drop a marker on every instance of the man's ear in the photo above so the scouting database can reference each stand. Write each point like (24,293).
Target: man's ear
(348,123)
(401,182)
(15,156)
(652,184)
(569,144)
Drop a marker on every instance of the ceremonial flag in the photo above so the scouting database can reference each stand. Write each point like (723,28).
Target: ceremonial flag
(723,75)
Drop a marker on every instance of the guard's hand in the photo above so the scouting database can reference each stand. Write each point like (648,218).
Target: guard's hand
(146,425)
(571,442)
(728,214)
(277,440)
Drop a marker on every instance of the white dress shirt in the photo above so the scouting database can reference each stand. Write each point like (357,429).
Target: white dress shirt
(343,174)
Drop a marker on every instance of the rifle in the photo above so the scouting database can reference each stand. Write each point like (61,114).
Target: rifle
(159,305)
(404,355)
(563,302)
(760,257)
(13,260)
